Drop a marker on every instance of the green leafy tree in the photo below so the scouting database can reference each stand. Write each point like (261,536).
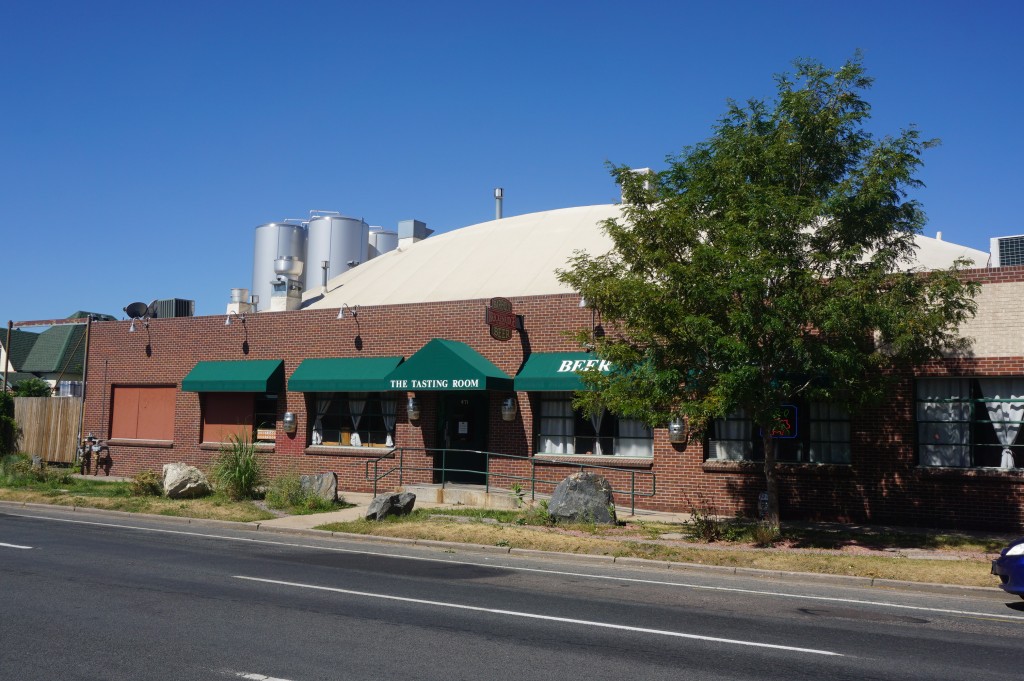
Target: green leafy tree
(9,430)
(32,387)
(769,262)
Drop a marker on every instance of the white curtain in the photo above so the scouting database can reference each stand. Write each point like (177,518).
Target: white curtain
(635,439)
(1005,411)
(356,403)
(830,433)
(944,421)
(387,410)
(732,438)
(595,420)
(323,403)
(556,425)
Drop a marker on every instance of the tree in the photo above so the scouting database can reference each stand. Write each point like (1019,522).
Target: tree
(32,387)
(9,430)
(769,262)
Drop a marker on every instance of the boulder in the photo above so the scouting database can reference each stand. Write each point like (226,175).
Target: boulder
(583,497)
(182,481)
(324,485)
(391,503)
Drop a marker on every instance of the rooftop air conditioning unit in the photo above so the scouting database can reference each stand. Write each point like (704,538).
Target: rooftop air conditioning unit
(1007,250)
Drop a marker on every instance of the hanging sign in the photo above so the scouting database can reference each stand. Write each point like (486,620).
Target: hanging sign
(786,429)
(502,320)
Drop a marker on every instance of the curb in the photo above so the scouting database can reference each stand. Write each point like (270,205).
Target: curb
(593,559)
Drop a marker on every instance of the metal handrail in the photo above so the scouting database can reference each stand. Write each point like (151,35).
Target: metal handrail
(400,467)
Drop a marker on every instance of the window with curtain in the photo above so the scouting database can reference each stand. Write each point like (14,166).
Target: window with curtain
(822,436)
(970,422)
(562,429)
(354,419)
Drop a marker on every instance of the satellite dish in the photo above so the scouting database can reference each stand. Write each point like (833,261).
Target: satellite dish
(136,310)
(151,310)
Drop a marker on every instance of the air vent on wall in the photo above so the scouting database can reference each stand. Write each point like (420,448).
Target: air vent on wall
(1007,251)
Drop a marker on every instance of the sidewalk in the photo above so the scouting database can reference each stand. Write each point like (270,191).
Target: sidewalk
(362,502)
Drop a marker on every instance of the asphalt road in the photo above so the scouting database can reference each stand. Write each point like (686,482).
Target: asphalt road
(94,596)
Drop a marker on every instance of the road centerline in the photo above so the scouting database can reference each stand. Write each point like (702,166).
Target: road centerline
(14,546)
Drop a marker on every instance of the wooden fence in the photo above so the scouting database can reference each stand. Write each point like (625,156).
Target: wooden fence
(49,426)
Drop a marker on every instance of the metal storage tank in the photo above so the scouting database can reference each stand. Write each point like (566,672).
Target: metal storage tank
(381,241)
(275,240)
(339,240)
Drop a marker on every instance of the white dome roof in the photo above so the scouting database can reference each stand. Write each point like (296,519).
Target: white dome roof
(513,257)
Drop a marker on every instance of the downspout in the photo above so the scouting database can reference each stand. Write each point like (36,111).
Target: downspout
(85,373)
(7,353)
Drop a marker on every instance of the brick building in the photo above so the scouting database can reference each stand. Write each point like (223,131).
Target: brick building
(390,372)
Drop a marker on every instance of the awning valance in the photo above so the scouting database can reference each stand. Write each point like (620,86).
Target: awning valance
(235,376)
(343,374)
(556,371)
(448,365)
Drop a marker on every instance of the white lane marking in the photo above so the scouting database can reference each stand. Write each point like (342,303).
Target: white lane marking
(548,618)
(564,573)
(14,546)
(256,677)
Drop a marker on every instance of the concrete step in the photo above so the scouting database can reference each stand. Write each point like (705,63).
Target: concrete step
(463,495)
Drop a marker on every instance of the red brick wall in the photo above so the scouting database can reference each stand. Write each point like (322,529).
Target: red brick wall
(883,484)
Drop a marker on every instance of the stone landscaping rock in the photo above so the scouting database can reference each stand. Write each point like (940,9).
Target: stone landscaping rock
(390,503)
(324,485)
(583,497)
(182,481)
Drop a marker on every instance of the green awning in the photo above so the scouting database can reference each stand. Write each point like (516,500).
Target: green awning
(448,365)
(235,376)
(343,374)
(556,371)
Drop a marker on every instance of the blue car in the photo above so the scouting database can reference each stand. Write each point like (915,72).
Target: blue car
(1009,567)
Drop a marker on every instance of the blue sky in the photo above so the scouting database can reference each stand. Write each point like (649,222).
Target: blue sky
(142,142)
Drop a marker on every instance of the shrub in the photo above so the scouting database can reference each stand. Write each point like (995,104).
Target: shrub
(32,387)
(285,492)
(55,475)
(765,534)
(238,470)
(705,523)
(538,514)
(15,469)
(146,484)
(9,431)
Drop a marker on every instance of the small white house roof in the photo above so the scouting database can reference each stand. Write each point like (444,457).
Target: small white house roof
(512,257)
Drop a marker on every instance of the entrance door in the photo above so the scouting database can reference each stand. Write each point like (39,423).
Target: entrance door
(463,427)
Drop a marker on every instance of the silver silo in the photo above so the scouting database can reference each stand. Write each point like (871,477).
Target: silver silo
(275,240)
(381,241)
(338,240)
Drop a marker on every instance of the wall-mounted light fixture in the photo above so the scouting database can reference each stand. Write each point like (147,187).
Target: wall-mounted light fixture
(677,430)
(144,320)
(509,409)
(412,407)
(239,316)
(354,311)
(596,331)
(288,423)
